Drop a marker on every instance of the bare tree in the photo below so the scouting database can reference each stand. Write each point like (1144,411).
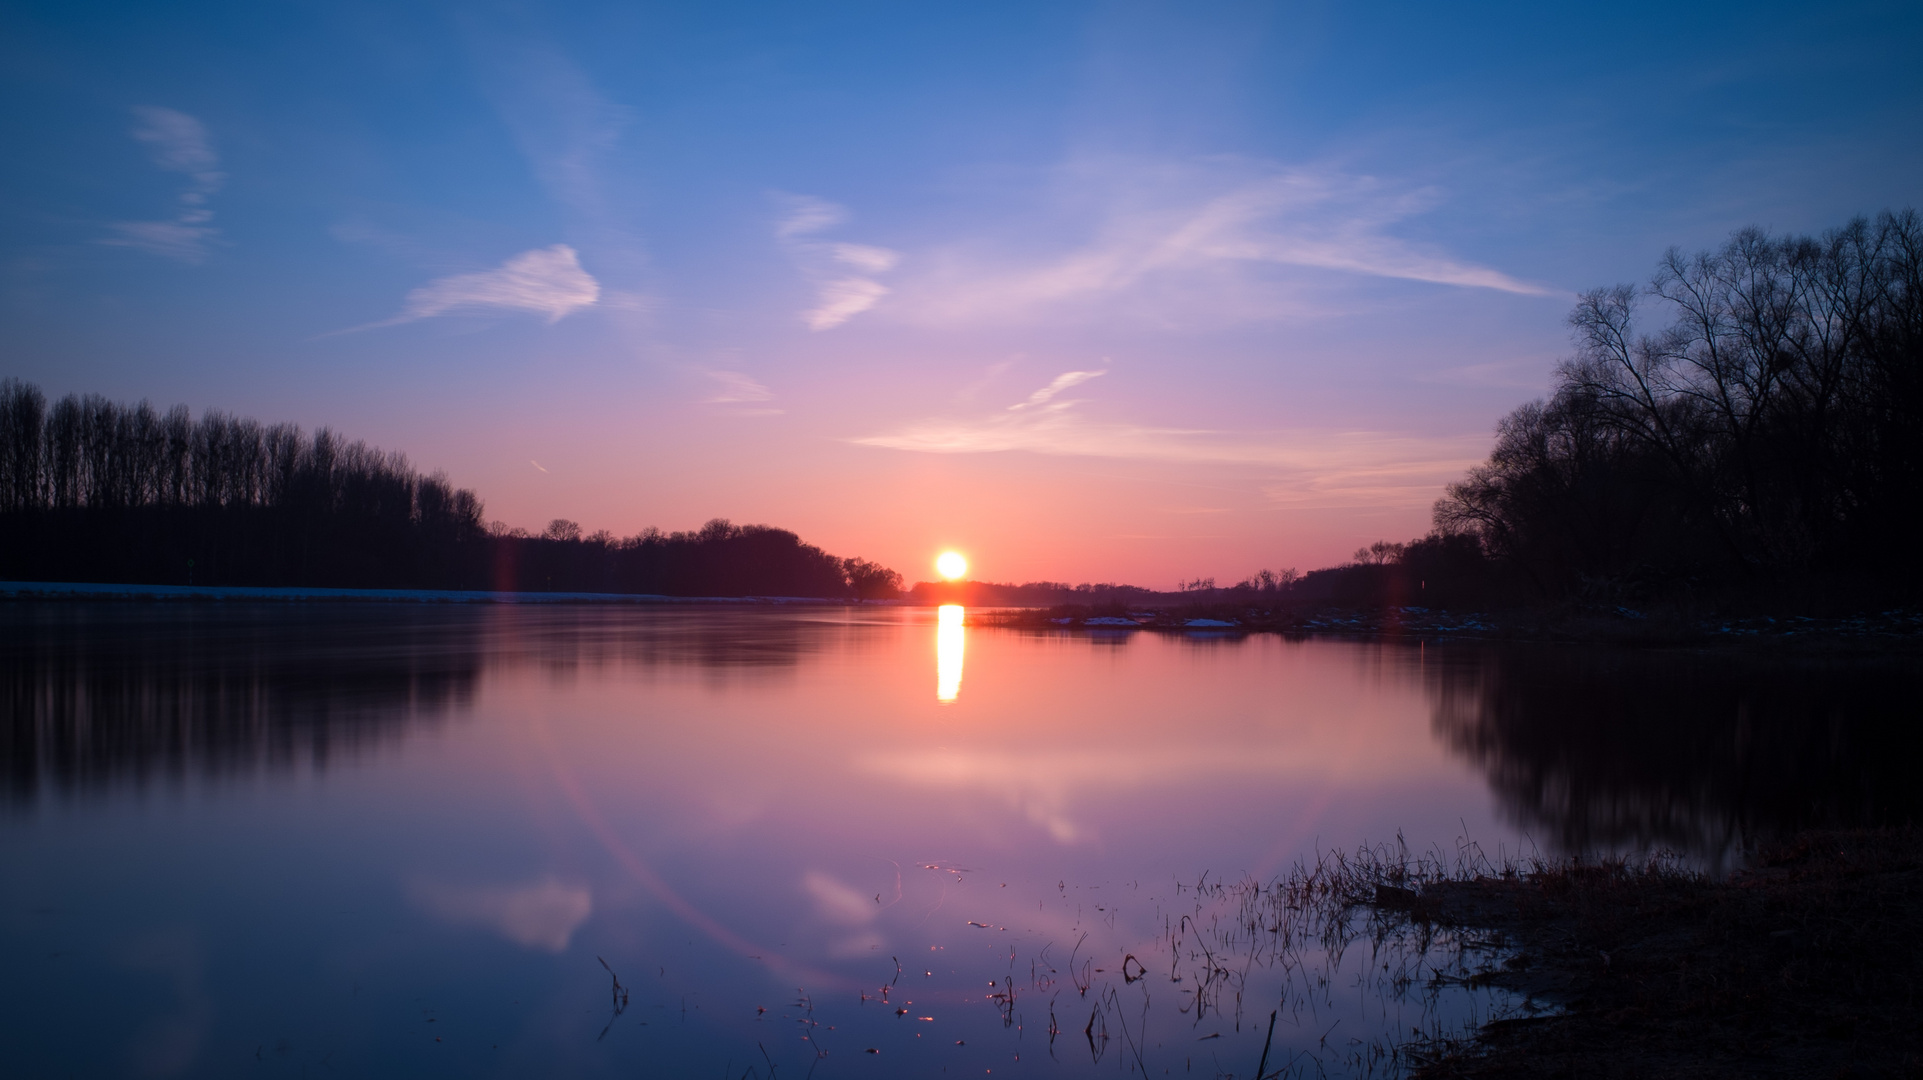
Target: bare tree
(1768,426)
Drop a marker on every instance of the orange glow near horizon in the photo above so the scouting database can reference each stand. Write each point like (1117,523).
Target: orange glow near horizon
(948,653)
(951,565)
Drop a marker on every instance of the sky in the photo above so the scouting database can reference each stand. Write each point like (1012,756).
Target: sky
(1089,291)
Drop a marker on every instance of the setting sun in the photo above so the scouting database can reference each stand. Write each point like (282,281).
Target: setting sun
(951,565)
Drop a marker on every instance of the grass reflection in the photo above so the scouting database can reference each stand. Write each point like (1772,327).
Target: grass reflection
(948,652)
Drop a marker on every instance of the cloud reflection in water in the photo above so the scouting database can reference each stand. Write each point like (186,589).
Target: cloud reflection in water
(543,914)
(842,905)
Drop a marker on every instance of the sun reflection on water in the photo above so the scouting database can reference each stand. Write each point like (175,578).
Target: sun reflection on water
(948,652)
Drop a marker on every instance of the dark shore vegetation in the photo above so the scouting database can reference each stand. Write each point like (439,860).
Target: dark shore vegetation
(96,491)
(1671,626)
(1805,964)
(1764,431)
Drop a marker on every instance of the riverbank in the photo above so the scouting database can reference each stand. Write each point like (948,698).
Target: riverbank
(1616,626)
(1807,964)
(71,590)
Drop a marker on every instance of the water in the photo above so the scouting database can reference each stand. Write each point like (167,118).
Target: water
(372,840)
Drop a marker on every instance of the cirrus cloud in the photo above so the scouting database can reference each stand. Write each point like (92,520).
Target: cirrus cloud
(741,395)
(547,281)
(177,143)
(1305,468)
(844,274)
(1176,243)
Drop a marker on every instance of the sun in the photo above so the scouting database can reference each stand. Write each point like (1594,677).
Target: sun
(951,565)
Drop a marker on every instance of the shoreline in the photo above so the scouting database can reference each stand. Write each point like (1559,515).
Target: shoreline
(1807,963)
(91,591)
(1896,630)
(1899,627)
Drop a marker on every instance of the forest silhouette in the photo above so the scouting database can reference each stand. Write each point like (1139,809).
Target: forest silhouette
(96,491)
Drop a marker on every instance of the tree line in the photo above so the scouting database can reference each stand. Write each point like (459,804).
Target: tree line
(1750,420)
(1769,427)
(95,490)
(718,559)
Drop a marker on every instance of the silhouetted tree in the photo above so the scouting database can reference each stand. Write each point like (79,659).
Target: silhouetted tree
(871,581)
(1378,553)
(95,491)
(1769,428)
(1269,581)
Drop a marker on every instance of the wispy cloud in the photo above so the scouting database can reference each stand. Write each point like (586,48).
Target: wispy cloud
(736,387)
(807,214)
(1269,221)
(1061,383)
(1505,374)
(178,143)
(844,274)
(564,126)
(570,134)
(1307,467)
(1040,423)
(171,239)
(741,395)
(1215,240)
(546,281)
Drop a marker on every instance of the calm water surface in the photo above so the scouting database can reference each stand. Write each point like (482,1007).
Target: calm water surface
(411,840)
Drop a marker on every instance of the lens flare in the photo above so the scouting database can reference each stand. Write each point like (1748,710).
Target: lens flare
(951,565)
(948,652)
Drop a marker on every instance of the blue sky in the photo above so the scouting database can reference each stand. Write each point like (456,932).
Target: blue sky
(1111,291)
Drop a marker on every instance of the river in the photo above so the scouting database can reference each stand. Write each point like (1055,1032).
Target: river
(477,840)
